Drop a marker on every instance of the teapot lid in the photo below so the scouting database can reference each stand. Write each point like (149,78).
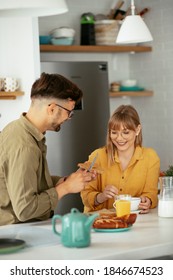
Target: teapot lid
(75,214)
(74,210)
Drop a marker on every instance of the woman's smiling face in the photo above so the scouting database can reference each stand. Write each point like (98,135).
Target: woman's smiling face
(124,138)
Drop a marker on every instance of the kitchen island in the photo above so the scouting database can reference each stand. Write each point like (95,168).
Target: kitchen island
(150,237)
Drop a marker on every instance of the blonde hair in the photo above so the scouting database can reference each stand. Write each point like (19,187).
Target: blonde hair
(127,116)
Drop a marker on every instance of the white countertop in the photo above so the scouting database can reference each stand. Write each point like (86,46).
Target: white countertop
(150,237)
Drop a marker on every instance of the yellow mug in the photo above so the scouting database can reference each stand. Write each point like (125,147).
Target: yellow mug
(122,207)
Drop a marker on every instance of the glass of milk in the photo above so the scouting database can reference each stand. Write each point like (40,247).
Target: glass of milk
(165,206)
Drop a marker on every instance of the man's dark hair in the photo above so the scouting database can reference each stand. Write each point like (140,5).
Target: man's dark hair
(55,86)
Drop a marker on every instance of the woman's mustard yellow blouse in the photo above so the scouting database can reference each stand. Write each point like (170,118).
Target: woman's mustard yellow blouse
(139,179)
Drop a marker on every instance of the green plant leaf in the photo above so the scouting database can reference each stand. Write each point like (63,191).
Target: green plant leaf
(169,171)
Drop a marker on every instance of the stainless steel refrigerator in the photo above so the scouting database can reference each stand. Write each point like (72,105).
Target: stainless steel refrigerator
(86,131)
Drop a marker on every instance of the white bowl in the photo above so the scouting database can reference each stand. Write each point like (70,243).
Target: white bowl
(135,203)
(129,83)
(62,32)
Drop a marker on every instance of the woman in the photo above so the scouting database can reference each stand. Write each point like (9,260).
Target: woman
(129,168)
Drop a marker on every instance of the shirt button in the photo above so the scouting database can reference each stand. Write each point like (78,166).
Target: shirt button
(120,190)
(122,177)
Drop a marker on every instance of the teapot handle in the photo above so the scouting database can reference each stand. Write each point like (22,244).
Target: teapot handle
(54,218)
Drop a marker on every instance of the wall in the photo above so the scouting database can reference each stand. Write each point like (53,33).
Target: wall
(152,70)
(119,64)
(155,71)
(19,58)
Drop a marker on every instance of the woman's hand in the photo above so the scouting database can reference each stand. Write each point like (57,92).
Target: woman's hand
(110,191)
(144,205)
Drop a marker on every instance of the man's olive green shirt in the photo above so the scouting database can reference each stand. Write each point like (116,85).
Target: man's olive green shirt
(27,190)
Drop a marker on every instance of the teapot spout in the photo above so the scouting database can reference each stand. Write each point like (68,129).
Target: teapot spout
(91,219)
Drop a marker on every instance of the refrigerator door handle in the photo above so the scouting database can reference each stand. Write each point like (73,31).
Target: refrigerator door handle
(102,66)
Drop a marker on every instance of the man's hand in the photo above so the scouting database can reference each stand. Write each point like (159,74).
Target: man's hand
(74,183)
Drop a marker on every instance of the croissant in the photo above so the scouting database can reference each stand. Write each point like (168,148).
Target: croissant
(110,221)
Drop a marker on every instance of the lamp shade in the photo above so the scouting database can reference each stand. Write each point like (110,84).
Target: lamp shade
(33,8)
(133,30)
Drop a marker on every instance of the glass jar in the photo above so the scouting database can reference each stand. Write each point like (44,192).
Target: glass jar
(165,206)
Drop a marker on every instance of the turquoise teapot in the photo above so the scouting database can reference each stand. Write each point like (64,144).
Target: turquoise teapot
(76,228)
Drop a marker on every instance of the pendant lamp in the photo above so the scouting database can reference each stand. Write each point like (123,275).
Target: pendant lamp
(133,29)
(32,8)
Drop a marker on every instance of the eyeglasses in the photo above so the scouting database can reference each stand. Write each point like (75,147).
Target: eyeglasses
(125,134)
(70,112)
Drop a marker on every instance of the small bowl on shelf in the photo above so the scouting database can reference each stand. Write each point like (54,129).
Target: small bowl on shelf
(134,88)
(129,83)
(62,32)
(62,41)
(44,39)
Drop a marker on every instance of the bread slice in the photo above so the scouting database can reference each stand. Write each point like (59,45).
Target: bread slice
(95,167)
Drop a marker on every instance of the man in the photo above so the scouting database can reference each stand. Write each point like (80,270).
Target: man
(27,191)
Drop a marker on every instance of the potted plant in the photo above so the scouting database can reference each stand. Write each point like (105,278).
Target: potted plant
(168,172)
(166,178)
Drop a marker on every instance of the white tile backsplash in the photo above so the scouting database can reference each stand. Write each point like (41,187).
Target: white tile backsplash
(157,72)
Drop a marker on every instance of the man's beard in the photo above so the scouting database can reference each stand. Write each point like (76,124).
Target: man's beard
(57,128)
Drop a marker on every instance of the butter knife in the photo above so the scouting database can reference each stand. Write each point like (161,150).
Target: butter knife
(92,163)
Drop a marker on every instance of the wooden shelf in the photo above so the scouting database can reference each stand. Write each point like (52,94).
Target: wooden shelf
(10,95)
(104,49)
(130,93)
(75,48)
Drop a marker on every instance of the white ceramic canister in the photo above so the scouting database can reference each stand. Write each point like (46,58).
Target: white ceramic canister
(10,84)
